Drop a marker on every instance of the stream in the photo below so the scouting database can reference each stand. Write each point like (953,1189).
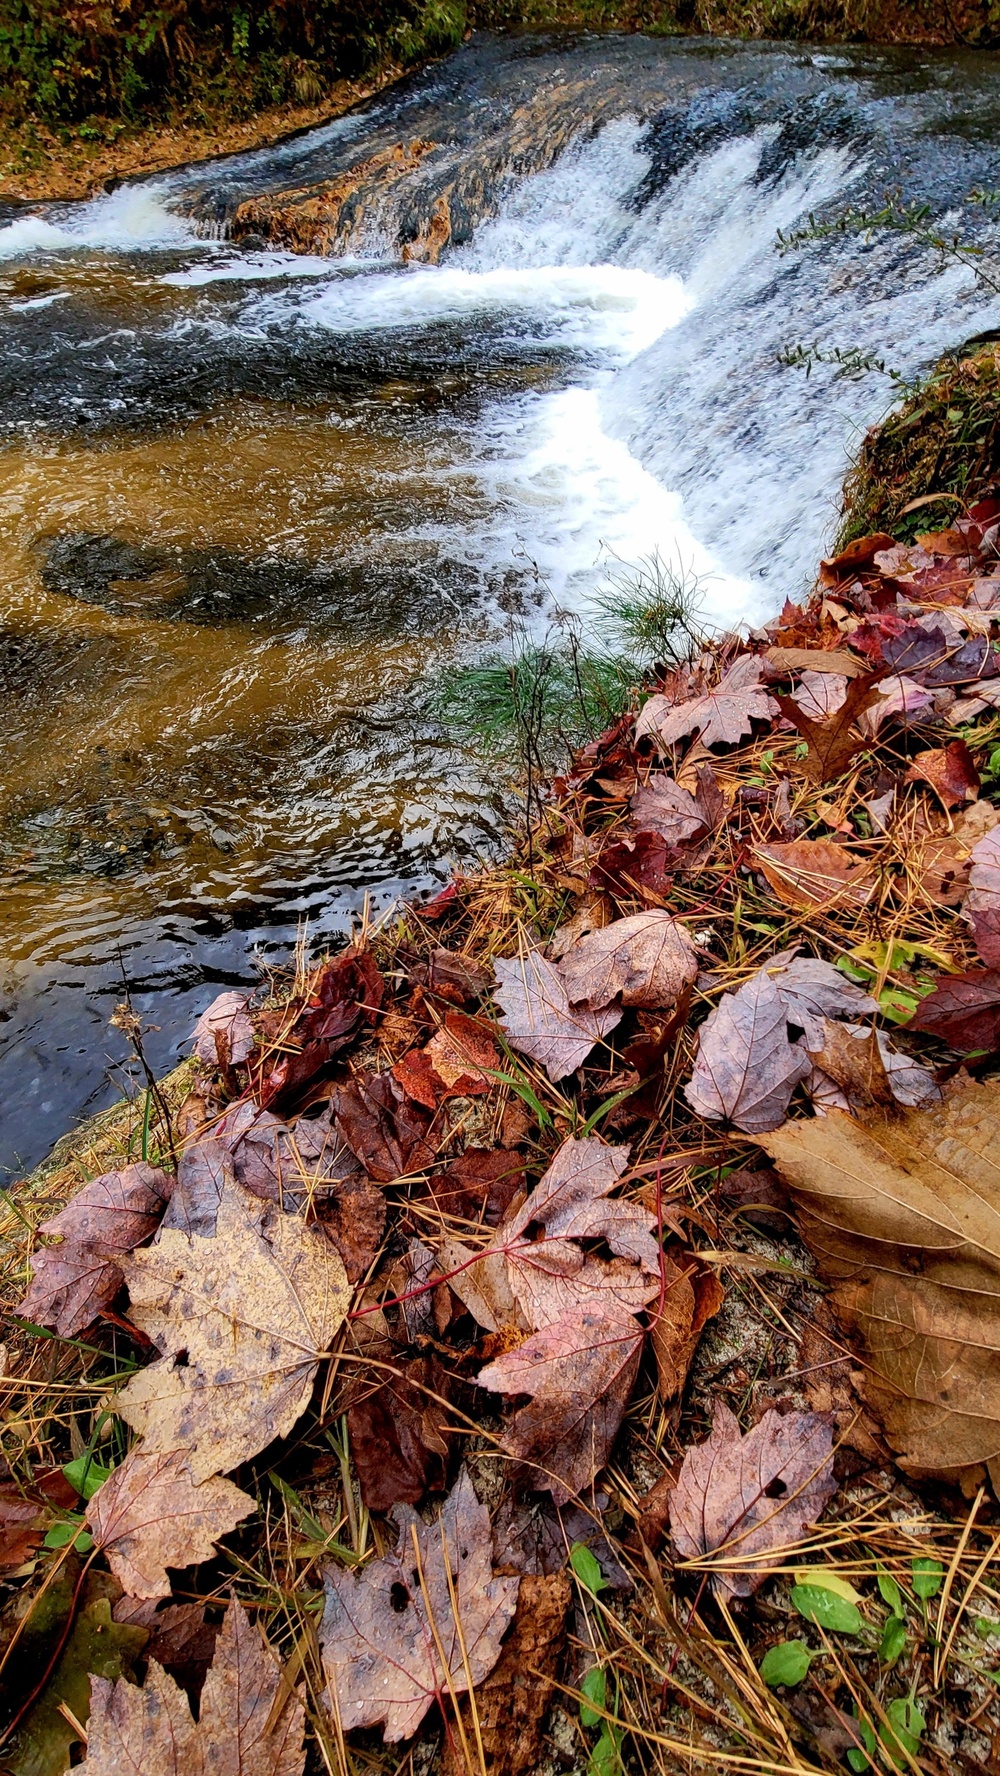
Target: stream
(256,504)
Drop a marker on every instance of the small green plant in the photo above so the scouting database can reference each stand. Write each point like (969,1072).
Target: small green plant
(787,1663)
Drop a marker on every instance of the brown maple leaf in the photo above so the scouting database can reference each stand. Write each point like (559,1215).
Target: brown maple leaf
(812,990)
(245,1726)
(150,1515)
(460,1061)
(74,1281)
(831,742)
(723,716)
(645,960)
(512,1704)
(742,1503)
(396,1635)
(746,1069)
(663,807)
(903,1216)
(539,1019)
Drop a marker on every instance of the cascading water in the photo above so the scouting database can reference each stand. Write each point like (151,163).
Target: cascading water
(253,502)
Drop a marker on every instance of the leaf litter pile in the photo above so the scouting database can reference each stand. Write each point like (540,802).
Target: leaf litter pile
(562,1331)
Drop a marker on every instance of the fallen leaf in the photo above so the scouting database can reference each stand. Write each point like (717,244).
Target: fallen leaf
(691,1295)
(290,1163)
(855,1064)
(836,661)
(949,770)
(384,1129)
(449,969)
(662,806)
(111,1215)
(963,1010)
(636,867)
(478,1185)
(579,1372)
(22,1526)
(832,743)
(538,1018)
(746,1069)
(151,1515)
(939,868)
(812,990)
(858,555)
(180,1637)
(645,960)
(97,1648)
(896,696)
(242,1729)
(460,1061)
(982,903)
(203,1172)
(380,1651)
(223,1035)
(513,1702)
(903,1216)
(298,1041)
(723,716)
(746,1501)
(820,694)
(397,1432)
(242,1320)
(807,873)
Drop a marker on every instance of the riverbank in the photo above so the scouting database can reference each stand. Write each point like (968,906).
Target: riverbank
(65,150)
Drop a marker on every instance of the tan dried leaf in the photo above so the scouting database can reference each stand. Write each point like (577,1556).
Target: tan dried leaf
(539,1019)
(903,1215)
(150,1515)
(741,1504)
(242,1320)
(807,873)
(646,960)
(242,1729)
(691,1295)
(386,1626)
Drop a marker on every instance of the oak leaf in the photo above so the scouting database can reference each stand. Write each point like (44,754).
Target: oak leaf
(807,873)
(742,1503)
(223,1035)
(645,960)
(539,1019)
(74,1281)
(242,1727)
(832,743)
(746,1069)
(903,1217)
(386,1626)
(150,1515)
(242,1320)
(579,1372)
(723,716)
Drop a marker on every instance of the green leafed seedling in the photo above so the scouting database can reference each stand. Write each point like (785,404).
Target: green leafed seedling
(927,1576)
(826,1609)
(786,1663)
(594,1686)
(587,1570)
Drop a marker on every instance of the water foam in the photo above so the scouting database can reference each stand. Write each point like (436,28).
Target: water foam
(134,216)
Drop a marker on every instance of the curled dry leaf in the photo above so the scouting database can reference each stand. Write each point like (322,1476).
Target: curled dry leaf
(299,1041)
(105,1221)
(646,960)
(150,1515)
(903,1217)
(242,1727)
(723,716)
(691,1295)
(949,770)
(746,1069)
(539,1019)
(898,696)
(386,1627)
(242,1320)
(741,1503)
(223,1035)
(807,873)
(579,1372)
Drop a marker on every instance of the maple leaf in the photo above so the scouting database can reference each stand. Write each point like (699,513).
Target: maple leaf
(396,1635)
(579,1371)
(397,1433)
(539,1019)
(645,960)
(242,1320)
(723,716)
(982,903)
(896,696)
(949,770)
(452,1064)
(305,1037)
(963,1010)
(903,1217)
(663,807)
(150,1515)
(22,1526)
(746,1069)
(820,694)
(807,873)
(242,1727)
(111,1215)
(512,1704)
(223,1035)
(812,990)
(743,1502)
(832,744)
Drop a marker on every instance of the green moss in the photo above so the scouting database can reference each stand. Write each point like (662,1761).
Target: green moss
(944,439)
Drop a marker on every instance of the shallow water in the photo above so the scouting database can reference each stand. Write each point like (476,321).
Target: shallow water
(254,505)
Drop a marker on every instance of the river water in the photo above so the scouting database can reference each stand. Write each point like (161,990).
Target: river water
(254,505)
